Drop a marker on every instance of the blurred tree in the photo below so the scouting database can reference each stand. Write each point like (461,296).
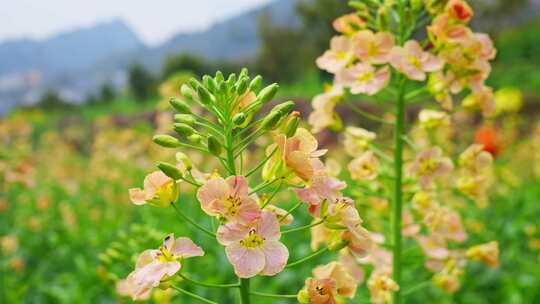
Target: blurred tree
(317,17)
(185,62)
(51,100)
(107,93)
(142,84)
(282,54)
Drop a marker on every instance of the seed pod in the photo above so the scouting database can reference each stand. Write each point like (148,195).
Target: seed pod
(255,83)
(271,120)
(205,96)
(214,146)
(180,105)
(183,129)
(184,159)
(166,141)
(170,170)
(187,119)
(239,119)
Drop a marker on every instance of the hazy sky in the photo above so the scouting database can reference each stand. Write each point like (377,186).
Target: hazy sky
(153,20)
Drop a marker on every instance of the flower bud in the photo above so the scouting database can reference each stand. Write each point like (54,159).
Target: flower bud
(239,119)
(266,94)
(194,83)
(210,83)
(187,92)
(219,77)
(383,18)
(195,138)
(303,297)
(214,146)
(205,96)
(183,129)
(166,141)
(180,106)
(170,170)
(270,122)
(185,118)
(292,124)
(243,73)
(284,108)
(184,159)
(255,83)
(242,86)
(231,80)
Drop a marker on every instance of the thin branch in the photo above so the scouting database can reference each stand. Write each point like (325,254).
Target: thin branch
(210,285)
(204,300)
(307,258)
(192,222)
(303,227)
(270,295)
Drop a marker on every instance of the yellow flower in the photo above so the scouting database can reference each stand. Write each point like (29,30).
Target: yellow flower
(381,287)
(487,253)
(430,119)
(509,100)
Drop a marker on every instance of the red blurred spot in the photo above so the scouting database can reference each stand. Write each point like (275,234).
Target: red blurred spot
(487,136)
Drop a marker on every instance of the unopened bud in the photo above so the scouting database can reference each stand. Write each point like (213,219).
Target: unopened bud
(242,86)
(183,129)
(166,141)
(194,83)
(170,170)
(205,96)
(266,94)
(195,138)
(292,124)
(239,119)
(219,77)
(210,83)
(187,92)
(255,83)
(270,122)
(180,106)
(284,108)
(231,80)
(184,159)
(214,146)
(187,119)
(243,73)
(383,18)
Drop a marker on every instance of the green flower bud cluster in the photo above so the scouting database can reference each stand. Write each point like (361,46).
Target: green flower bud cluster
(216,115)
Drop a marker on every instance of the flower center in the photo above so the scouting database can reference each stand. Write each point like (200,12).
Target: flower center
(341,55)
(414,61)
(428,166)
(365,77)
(232,204)
(253,240)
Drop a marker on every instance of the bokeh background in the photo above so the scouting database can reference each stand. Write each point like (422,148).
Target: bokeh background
(84,86)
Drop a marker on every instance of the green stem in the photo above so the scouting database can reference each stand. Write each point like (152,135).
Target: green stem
(270,295)
(309,257)
(303,227)
(398,188)
(204,300)
(192,222)
(244,291)
(291,211)
(210,285)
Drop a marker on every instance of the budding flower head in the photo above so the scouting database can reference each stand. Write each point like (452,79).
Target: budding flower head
(166,141)
(159,190)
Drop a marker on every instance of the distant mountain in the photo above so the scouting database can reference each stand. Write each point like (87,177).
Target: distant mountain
(77,62)
(68,51)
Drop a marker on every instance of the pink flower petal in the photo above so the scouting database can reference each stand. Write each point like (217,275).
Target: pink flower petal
(238,186)
(247,262)
(268,227)
(276,255)
(213,190)
(185,248)
(231,233)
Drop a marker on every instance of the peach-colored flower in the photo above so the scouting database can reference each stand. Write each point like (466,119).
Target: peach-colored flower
(487,253)
(439,85)
(482,100)
(254,249)
(409,227)
(430,164)
(299,154)
(430,119)
(475,158)
(348,24)
(345,283)
(365,167)
(318,291)
(363,78)
(381,287)
(459,10)
(357,140)
(230,199)
(448,278)
(323,115)
(413,61)
(339,55)
(433,246)
(373,48)
(360,241)
(446,223)
(352,266)
(442,31)
(322,188)
(156,265)
(159,190)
